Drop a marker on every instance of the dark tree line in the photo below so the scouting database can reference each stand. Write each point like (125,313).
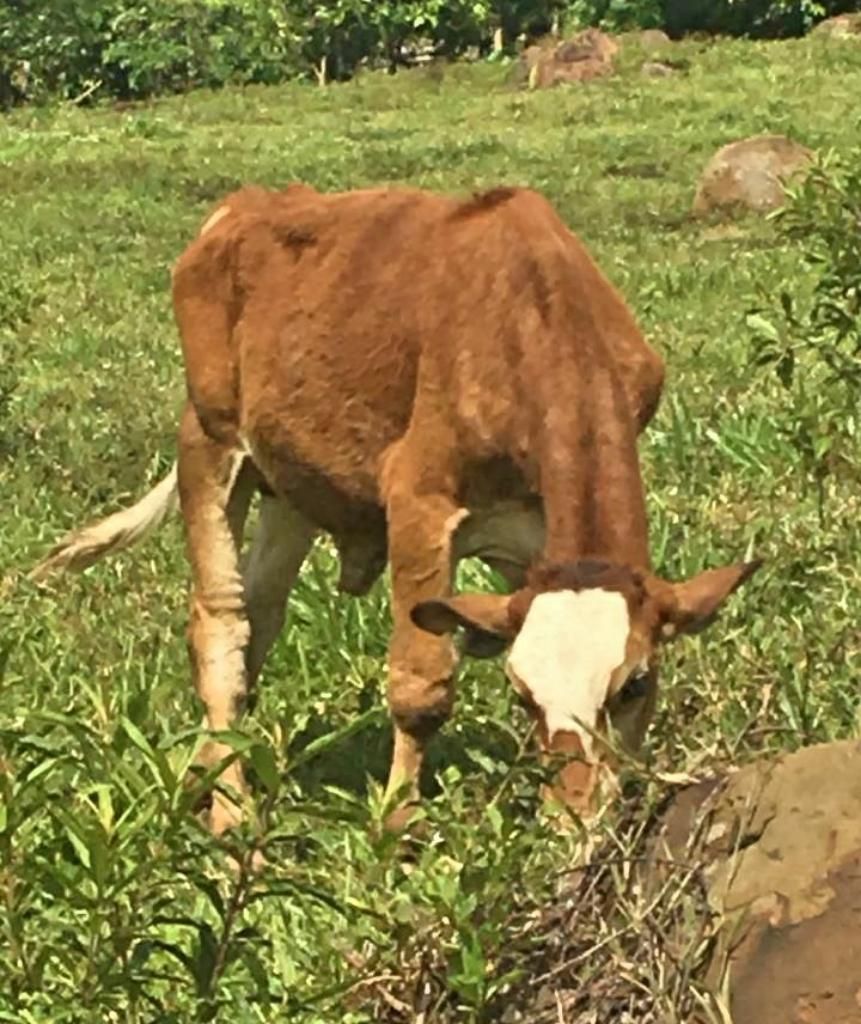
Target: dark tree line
(133,48)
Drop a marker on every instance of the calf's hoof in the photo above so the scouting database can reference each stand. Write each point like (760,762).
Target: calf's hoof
(401,819)
(406,824)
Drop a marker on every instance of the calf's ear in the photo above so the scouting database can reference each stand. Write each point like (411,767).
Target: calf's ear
(484,619)
(692,605)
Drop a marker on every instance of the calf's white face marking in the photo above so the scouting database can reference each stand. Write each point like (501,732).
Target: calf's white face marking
(566,653)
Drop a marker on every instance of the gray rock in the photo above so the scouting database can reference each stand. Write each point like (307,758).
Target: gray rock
(751,174)
(781,849)
(841,26)
(587,55)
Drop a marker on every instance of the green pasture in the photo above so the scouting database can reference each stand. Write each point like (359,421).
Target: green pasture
(114,905)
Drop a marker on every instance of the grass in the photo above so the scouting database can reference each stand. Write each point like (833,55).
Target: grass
(116,907)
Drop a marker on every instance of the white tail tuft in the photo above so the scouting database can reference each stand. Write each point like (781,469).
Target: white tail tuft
(84,546)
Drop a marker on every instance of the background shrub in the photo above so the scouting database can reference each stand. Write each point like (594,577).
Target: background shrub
(761,18)
(65,47)
(134,48)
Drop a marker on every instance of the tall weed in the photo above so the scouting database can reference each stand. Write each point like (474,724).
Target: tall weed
(811,340)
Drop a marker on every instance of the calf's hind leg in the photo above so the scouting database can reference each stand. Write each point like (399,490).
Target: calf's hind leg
(235,615)
(281,542)
(215,493)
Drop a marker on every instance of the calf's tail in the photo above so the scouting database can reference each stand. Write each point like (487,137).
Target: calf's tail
(89,544)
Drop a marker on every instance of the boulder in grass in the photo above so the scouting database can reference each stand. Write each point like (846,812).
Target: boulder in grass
(649,40)
(750,174)
(738,899)
(653,39)
(841,26)
(780,850)
(588,55)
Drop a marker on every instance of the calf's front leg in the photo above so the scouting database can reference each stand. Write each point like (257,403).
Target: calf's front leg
(421,665)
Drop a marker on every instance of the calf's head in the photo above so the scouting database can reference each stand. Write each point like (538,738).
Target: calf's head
(583,643)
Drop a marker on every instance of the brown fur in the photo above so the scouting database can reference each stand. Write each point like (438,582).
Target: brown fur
(423,378)
(393,357)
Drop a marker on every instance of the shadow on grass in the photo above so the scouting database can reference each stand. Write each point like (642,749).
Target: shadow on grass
(366,753)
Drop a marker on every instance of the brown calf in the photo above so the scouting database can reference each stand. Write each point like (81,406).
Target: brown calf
(424,379)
